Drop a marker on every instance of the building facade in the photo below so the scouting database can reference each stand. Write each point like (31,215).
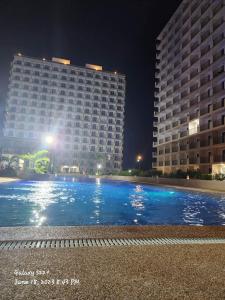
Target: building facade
(79,109)
(189,126)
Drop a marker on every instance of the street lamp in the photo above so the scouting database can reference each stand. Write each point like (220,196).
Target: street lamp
(139,159)
(99,166)
(49,140)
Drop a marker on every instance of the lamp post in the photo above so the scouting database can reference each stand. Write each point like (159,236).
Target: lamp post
(99,166)
(139,159)
(49,140)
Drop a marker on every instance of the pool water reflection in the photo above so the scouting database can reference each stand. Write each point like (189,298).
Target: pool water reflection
(92,202)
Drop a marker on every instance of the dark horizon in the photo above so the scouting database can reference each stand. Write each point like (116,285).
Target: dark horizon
(119,35)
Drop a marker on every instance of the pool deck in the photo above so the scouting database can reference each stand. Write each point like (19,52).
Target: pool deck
(125,272)
(194,272)
(79,232)
(8,179)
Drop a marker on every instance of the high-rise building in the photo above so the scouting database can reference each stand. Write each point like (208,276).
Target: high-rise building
(81,109)
(190,89)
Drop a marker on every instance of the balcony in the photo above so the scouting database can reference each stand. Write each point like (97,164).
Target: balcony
(154,154)
(167,163)
(218,140)
(204,111)
(217,123)
(183,134)
(217,8)
(194,115)
(183,161)
(205,143)
(204,160)
(193,102)
(218,39)
(175,124)
(193,145)
(183,147)
(218,105)
(175,149)
(204,127)
(167,150)
(154,164)
(193,160)
(219,159)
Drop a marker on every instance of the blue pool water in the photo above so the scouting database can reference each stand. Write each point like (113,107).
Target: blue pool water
(59,203)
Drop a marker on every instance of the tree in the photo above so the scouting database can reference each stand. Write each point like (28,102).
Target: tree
(9,162)
(37,161)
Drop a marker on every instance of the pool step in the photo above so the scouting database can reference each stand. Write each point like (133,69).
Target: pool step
(77,243)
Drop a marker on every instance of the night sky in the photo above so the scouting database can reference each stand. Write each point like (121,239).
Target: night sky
(119,35)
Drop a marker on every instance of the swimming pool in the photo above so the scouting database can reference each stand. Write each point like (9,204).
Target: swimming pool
(105,202)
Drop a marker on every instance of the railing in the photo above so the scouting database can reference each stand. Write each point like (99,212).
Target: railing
(183,133)
(204,143)
(204,127)
(218,105)
(218,140)
(193,145)
(183,161)
(219,158)
(204,160)
(183,147)
(194,116)
(217,123)
(193,160)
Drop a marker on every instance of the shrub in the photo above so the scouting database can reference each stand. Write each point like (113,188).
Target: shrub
(8,172)
(206,176)
(220,177)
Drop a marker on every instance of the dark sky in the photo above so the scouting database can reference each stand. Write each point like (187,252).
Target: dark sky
(117,34)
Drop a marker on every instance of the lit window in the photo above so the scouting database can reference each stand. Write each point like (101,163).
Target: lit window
(193,126)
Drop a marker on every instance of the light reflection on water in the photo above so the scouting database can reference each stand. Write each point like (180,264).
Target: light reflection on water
(105,202)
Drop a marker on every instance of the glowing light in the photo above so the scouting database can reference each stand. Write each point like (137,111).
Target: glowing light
(99,166)
(139,158)
(129,171)
(98,181)
(49,139)
(19,54)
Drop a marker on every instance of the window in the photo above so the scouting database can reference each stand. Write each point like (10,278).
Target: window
(193,126)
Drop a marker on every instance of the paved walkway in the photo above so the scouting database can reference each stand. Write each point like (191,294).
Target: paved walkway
(7,179)
(140,272)
(76,232)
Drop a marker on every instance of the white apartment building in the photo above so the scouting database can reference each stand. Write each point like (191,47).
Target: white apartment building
(80,108)
(190,89)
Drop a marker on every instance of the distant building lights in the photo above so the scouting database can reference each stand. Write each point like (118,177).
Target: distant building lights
(99,166)
(43,59)
(19,54)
